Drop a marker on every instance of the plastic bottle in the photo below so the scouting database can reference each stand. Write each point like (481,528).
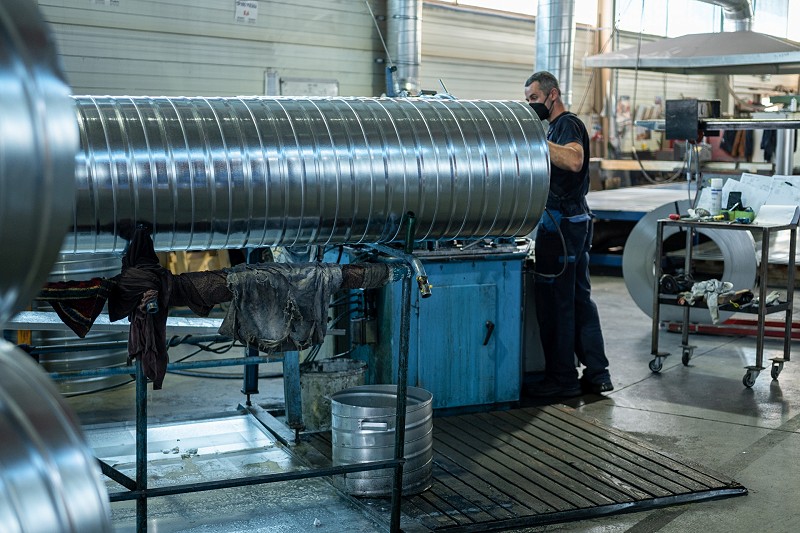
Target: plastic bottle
(716,196)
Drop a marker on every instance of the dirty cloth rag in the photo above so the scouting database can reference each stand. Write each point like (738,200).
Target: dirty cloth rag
(77,303)
(280,306)
(710,290)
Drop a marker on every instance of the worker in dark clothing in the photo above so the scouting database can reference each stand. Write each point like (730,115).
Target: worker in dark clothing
(568,320)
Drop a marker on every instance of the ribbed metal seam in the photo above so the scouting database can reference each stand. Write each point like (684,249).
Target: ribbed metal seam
(214,173)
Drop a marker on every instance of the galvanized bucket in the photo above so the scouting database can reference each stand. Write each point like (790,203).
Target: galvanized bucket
(363,430)
(319,380)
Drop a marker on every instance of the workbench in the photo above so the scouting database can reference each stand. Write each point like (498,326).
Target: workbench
(761,310)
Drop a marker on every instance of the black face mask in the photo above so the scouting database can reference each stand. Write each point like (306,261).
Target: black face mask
(541,110)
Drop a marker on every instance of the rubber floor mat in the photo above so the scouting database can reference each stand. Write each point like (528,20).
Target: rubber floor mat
(542,465)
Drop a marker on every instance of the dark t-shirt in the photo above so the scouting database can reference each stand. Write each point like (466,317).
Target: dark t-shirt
(568,189)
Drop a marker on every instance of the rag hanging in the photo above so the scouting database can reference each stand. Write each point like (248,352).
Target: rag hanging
(280,306)
(276,306)
(144,292)
(77,303)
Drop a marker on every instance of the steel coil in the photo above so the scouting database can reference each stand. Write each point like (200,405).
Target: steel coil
(214,173)
(49,480)
(737,250)
(38,143)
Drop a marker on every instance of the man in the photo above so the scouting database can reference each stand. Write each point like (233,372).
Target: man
(568,320)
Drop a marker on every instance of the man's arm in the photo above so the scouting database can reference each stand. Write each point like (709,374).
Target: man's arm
(569,157)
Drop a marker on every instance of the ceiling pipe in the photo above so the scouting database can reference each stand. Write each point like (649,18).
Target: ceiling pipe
(737,12)
(555,35)
(404,27)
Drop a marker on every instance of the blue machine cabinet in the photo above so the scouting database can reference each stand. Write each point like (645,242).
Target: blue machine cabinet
(465,340)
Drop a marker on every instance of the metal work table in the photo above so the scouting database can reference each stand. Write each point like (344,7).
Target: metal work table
(761,310)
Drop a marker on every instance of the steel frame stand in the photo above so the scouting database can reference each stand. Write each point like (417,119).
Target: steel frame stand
(137,488)
(250,378)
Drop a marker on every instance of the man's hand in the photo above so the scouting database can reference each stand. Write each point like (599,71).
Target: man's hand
(569,157)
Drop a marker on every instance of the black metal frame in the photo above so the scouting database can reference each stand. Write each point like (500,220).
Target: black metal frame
(137,488)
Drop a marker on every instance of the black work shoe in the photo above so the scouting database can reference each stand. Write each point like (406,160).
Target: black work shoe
(596,388)
(552,389)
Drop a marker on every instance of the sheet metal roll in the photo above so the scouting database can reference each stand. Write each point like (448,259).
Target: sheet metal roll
(38,143)
(212,173)
(49,480)
(737,249)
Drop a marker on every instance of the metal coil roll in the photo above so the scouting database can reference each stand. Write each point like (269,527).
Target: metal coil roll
(49,479)
(38,143)
(737,250)
(214,173)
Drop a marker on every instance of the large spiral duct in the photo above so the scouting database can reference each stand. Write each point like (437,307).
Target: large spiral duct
(214,173)
(49,481)
(38,142)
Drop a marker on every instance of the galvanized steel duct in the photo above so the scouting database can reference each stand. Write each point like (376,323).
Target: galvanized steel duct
(404,29)
(738,12)
(555,38)
(49,480)
(213,173)
(38,142)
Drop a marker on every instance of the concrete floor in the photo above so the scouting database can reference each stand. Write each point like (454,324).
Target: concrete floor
(701,413)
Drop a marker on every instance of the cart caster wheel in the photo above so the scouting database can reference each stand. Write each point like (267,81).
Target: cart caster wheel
(776,370)
(656,365)
(749,379)
(686,356)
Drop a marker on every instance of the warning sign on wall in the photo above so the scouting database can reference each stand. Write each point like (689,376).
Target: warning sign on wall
(246,11)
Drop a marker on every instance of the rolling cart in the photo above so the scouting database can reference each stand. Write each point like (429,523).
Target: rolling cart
(761,310)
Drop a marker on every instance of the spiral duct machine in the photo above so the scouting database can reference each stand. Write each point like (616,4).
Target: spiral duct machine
(233,173)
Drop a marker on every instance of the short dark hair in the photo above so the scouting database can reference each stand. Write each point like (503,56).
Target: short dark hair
(547,82)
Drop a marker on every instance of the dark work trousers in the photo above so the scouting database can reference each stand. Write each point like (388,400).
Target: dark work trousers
(568,320)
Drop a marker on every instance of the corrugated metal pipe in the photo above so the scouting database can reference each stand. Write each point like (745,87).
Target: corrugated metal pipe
(555,35)
(738,12)
(214,173)
(404,28)
(38,141)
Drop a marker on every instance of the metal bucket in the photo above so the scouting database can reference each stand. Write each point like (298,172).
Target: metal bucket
(363,430)
(319,380)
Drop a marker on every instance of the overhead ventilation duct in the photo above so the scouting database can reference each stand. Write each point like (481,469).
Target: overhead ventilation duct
(214,173)
(739,13)
(404,27)
(555,35)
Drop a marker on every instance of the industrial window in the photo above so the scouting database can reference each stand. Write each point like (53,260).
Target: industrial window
(585,10)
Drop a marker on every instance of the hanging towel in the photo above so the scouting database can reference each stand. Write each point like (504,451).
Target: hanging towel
(77,303)
(280,306)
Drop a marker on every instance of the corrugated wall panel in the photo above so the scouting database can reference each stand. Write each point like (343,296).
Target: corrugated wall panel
(476,55)
(479,54)
(175,47)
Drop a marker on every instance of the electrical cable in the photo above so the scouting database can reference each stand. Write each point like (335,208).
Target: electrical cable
(374,20)
(104,389)
(563,247)
(220,375)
